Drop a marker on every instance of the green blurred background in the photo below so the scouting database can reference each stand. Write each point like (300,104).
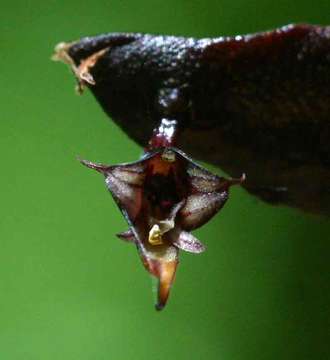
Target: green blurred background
(68,288)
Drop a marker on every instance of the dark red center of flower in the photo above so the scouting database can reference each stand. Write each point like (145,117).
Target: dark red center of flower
(165,186)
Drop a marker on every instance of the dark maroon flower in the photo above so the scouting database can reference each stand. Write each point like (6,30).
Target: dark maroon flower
(164,196)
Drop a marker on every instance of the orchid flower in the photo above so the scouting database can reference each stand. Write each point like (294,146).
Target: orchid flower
(164,196)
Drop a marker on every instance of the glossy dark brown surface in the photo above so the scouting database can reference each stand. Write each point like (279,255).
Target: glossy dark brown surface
(257,104)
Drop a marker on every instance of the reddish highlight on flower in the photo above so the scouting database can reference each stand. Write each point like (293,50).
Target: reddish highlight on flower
(164,196)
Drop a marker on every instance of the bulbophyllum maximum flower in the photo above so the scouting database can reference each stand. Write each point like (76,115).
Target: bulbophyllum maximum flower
(164,196)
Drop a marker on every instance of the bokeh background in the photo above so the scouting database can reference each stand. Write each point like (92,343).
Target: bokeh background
(69,289)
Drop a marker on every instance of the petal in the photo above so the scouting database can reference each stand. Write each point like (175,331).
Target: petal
(200,208)
(161,262)
(202,180)
(127,235)
(207,195)
(187,242)
(126,190)
(98,167)
(124,182)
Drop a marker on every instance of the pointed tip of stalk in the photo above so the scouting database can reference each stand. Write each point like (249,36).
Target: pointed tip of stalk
(98,167)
